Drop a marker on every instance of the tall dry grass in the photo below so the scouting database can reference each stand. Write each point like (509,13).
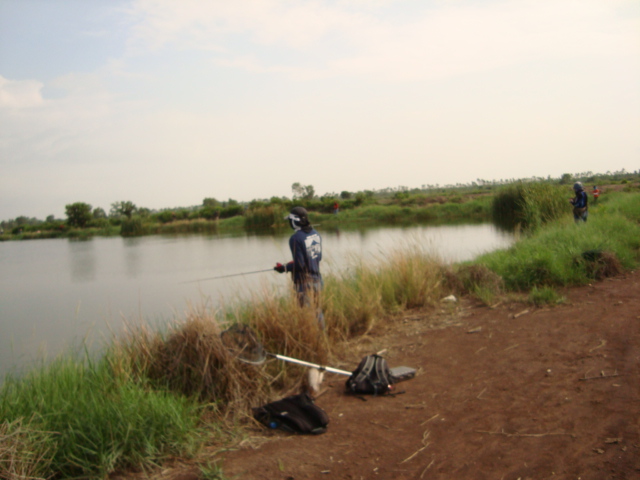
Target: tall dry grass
(189,358)
(530,205)
(25,450)
(356,299)
(264,216)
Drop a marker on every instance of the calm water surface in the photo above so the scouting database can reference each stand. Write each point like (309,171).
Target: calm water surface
(55,293)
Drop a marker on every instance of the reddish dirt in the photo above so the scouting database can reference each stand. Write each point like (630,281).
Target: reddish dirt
(510,392)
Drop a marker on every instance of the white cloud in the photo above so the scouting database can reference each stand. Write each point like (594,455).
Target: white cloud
(204,24)
(339,39)
(20,93)
(37,129)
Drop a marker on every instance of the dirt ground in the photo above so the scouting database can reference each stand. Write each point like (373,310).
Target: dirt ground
(510,392)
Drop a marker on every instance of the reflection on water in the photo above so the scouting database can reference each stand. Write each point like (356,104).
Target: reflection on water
(132,256)
(56,292)
(82,260)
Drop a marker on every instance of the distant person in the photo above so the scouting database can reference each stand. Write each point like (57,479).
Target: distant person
(336,208)
(306,248)
(579,202)
(596,194)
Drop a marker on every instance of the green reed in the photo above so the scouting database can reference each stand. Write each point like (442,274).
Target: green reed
(82,421)
(557,255)
(530,205)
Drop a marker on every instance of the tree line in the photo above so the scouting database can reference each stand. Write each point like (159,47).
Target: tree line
(81,215)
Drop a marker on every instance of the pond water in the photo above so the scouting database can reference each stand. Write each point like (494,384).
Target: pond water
(55,294)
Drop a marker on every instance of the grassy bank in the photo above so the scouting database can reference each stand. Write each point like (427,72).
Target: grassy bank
(565,253)
(74,419)
(529,206)
(156,394)
(470,210)
(535,197)
(261,216)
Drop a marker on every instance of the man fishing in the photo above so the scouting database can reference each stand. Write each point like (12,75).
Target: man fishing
(306,249)
(579,202)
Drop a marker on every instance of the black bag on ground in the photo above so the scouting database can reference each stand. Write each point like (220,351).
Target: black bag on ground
(372,376)
(297,414)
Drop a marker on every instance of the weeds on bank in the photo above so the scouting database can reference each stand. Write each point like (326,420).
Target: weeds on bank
(565,253)
(211,471)
(25,450)
(264,216)
(627,205)
(544,296)
(529,205)
(405,214)
(76,419)
(355,299)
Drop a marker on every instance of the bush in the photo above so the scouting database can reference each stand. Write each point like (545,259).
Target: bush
(165,216)
(231,211)
(84,421)
(264,216)
(132,227)
(99,223)
(187,226)
(529,205)
(555,255)
(544,296)
(599,264)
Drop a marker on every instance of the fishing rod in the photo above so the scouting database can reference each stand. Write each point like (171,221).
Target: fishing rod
(234,274)
(227,276)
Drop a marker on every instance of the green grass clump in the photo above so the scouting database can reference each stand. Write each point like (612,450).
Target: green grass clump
(530,205)
(544,296)
(261,217)
(82,421)
(474,209)
(133,227)
(475,280)
(406,279)
(210,470)
(554,255)
(187,226)
(627,205)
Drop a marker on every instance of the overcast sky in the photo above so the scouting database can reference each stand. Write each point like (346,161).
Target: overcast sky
(167,102)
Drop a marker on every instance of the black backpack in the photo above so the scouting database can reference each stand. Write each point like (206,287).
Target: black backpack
(296,414)
(372,376)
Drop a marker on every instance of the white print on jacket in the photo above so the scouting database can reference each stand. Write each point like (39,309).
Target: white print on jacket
(313,245)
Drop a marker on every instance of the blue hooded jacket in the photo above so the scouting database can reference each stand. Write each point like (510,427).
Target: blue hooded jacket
(580,201)
(306,248)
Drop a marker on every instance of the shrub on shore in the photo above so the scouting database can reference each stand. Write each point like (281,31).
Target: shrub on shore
(79,420)
(261,217)
(529,205)
(554,256)
(473,209)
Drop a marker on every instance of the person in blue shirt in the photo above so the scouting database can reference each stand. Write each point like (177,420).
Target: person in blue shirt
(306,249)
(580,203)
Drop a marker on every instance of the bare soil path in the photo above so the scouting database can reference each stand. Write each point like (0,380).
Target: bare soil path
(510,392)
